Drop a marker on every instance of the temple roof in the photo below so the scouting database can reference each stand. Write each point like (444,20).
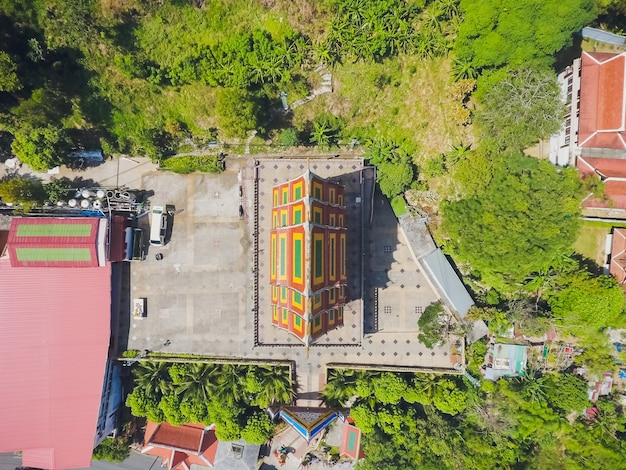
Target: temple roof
(308,421)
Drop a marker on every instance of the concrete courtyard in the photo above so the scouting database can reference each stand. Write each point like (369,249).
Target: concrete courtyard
(201,295)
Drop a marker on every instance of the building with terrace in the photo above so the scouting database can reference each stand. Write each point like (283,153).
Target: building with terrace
(593,137)
(308,256)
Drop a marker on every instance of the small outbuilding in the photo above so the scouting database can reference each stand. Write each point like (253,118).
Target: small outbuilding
(506,360)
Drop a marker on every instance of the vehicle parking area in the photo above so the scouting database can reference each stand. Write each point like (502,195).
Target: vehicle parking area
(197,293)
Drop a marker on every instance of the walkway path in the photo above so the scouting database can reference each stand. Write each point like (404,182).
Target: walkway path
(325,87)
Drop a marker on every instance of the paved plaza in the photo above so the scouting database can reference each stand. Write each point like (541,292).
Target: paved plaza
(201,294)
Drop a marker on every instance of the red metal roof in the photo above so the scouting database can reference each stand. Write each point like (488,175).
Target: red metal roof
(117,238)
(602,109)
(52,241)
(55,325)
(181,446)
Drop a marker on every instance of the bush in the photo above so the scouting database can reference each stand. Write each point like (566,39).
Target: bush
(58,189)
(430,326)
(112,450)
(188,164)
(288,137)
(22,191)
(237,112)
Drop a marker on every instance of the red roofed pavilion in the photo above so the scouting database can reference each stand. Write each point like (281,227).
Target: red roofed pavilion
(308,256)
(602,101)
(181,446)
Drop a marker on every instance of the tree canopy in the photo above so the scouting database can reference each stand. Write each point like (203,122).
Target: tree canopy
(232,397)
(525,216)
(519,33)
(588,304)
(521,108)
(9,81)
(395,166)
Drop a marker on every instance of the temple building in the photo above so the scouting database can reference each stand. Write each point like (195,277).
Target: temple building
(308,256)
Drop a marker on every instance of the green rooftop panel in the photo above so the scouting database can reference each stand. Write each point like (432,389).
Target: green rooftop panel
(54,230)
(53,254)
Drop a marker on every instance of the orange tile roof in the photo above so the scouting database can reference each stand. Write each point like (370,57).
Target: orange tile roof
(605,167)
(616,191)
(602,110)
(181,446)
(618,255)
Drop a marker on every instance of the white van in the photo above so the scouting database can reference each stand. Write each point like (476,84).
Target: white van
(158,226)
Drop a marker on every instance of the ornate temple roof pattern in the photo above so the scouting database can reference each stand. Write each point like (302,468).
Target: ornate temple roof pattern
(308,256)
(307,421)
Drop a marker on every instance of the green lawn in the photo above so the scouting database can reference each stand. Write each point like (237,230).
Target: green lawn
(398,204)
(592,238)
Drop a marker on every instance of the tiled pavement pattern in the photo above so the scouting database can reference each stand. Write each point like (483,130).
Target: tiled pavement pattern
(200,296)
(347,172)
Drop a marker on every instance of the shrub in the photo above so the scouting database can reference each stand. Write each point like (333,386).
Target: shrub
(190,163)
(288,137)
(112,450)
(22,191)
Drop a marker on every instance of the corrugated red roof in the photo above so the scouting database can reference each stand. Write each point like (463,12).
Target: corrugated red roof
(602,110)
(117,237)
(181,446)
(53,242)
(55,325)
(618,255)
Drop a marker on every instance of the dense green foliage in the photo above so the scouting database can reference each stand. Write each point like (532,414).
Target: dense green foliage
(189,163)
(23,191)
(520,33)
(425,421)
(112,449)
(375,29)
(394,165)
(527,213)
(8,73)
(587,304)
(230,396)
(431,326)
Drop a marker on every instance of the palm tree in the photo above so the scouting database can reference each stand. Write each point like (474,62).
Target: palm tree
(457,152)
(200,382)
(425,386)
(230,384)
(462,69)
(447,9)
(340,386)
(153,378)
(533,385)
(273,384)
(322,134)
